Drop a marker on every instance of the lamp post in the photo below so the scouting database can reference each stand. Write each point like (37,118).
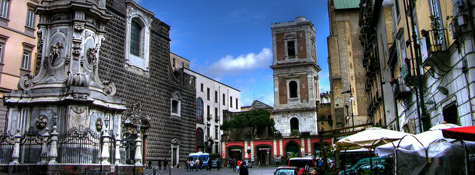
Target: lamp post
(351,103)
(352,113)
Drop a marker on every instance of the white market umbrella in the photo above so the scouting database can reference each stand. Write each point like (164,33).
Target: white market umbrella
(418,143)
(369,138)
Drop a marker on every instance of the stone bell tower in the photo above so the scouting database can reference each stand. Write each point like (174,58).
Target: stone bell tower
(295,77)
(66,97)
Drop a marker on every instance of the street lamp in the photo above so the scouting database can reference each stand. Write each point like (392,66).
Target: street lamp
(352,113)
(351,103)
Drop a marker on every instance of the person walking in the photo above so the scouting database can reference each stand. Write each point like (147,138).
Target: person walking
(187,164)
(159,164)
(165,164)
(218,162)
(239,165)
(197,164)
(233,165)
(243,170)
(201,164)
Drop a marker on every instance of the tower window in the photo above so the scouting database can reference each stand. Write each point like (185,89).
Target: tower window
(291,49)
(293,89)
(294,125)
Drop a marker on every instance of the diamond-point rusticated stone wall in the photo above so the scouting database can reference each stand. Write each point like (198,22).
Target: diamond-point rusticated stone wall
(154,90)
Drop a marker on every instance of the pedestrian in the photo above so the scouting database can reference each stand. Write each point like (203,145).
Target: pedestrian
(243,169)
(159,164)
(218,161)
(238,165)
(233,164)
(197,164)
(201,164)
(165,164)
(187,164)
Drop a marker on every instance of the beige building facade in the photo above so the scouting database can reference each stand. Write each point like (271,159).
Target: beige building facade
(345,61)
(17,45)
(178,62)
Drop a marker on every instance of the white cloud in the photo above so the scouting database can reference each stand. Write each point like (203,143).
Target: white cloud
(229,65)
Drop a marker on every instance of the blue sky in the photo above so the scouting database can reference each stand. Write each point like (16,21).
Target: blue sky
(231,41)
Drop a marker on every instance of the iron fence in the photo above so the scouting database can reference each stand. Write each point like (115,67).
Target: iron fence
(7,141)
(31,147)
(79,146)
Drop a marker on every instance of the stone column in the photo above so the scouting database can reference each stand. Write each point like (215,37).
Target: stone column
(105,148)
(117,150)
(53,149)
(16,149)
(44,148)
(138,151)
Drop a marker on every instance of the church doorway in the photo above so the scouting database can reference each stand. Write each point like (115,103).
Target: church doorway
(292,149)
(263,153)
(235,152)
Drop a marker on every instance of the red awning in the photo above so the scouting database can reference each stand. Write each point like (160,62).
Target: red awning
(460,133)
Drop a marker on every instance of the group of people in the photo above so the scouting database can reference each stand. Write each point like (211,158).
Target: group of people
(240,166)
(198,164)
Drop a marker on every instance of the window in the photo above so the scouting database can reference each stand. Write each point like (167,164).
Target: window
(2,45)
(199,110)
(231,102)
(398,13)
(291,49)
(207,94)
(293,89)
(216,116)
(138,38)
(175,106)
(135,38)
(216,96)
(450,114)
(182,64)
(207,131)
(174,62)
(30,19)
(237,103)
(224,99)
(25,60)
(208,114)
(200,138)
(201,87)
(294,125)
(4,8)
(216,133)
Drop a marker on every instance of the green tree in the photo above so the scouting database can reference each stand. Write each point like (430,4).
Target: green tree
(255,121)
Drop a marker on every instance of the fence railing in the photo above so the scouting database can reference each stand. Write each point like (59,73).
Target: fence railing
(77,146)
(7,141)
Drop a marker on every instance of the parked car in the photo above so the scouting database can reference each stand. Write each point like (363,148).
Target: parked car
(286,170)
(300,162)
(204,157)
(379,164)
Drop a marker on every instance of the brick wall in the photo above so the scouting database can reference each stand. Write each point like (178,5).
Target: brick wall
(154,91)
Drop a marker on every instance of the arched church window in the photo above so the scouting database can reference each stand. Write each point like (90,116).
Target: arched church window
(294,125)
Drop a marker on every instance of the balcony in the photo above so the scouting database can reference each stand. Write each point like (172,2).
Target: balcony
(434,47)
(210,117)
(401,91)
